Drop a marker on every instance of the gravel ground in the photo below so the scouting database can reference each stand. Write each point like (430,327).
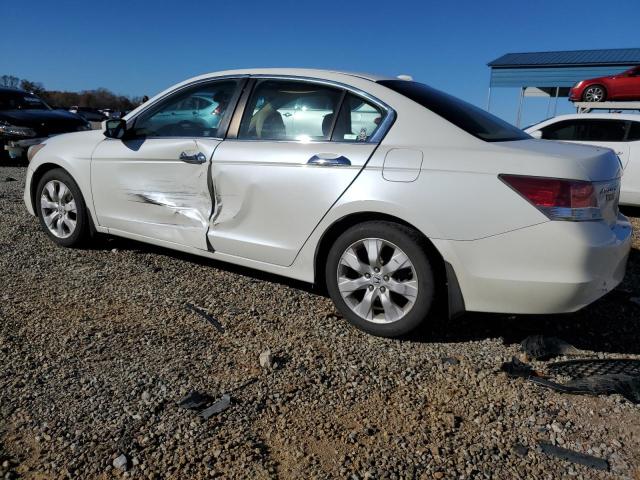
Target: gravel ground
(97,347)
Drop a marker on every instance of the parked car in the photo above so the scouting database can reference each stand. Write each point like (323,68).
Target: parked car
(26,120)
(622,86)
(619,132)
(89,114)
(429,196)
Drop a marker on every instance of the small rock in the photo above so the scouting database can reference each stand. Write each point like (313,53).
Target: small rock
(114,250)
(121,462)
(520,450)
(146,396)
(266,359)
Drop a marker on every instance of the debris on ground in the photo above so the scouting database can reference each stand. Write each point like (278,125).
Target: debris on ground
(516,368)
(574,457)
(218,406)
(10,179)
(626,385)
(121,462)
(540,347)
(194,401)
(450,361)
(266,359)
(587,367)
(206,316)
(520,449)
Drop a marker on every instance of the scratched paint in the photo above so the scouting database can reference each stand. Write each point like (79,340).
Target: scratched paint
(180,203)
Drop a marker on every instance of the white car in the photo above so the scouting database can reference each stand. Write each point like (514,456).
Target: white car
(619,132)
(427,196)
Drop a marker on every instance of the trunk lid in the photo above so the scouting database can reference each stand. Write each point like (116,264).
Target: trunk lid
(599,164)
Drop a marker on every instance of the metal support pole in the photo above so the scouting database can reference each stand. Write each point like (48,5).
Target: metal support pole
(489,99)
(555,105)
(519,119)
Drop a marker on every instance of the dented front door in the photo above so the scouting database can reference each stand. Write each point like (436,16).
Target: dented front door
(155,188)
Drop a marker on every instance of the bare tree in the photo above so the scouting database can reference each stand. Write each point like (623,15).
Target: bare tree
(9,81)
(33,87)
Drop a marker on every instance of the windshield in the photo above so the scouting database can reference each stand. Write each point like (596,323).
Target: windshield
(471,119)
(21,101)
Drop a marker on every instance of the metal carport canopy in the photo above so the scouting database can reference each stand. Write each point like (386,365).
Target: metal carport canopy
(552,73)
(559,69)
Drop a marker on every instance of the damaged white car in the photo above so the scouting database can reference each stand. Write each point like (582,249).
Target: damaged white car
(387,191)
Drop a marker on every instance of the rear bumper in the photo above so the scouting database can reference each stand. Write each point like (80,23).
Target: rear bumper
(554,267)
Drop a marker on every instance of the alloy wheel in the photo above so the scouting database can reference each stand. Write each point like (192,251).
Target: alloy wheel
(377,280)
(59,209)
(594,94)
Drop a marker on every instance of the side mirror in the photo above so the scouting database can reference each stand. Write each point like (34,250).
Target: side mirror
(536,134)
(114,128)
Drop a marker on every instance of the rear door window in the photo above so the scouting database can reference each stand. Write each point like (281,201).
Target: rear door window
(634,132)
(565,130)
(289,110)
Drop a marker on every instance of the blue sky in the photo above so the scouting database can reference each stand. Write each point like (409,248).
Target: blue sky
(141,47)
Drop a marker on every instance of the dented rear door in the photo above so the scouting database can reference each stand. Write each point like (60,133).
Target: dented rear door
(271,195)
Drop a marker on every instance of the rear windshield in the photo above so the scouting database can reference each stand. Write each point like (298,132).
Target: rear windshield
(471,119)
(15,100)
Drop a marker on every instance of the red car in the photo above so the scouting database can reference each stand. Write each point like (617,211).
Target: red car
(622,86)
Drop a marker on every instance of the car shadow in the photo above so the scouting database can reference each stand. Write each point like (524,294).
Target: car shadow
(630,211)
(120,243)
(7,161)
(610,325)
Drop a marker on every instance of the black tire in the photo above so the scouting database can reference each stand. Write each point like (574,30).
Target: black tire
(82,231)
(412,244)
(596,93)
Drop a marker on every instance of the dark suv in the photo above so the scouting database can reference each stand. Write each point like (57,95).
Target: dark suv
(26,120)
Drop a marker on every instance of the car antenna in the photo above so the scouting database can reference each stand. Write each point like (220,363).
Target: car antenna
(408,78)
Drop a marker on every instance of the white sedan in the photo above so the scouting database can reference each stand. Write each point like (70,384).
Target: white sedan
(390,193)
(619,132)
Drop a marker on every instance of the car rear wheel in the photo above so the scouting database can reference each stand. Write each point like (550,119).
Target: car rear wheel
(379,276)
(594,93)
(61,209)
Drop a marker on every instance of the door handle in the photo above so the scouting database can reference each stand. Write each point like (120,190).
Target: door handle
(287,114)
(340,161)
(196,158)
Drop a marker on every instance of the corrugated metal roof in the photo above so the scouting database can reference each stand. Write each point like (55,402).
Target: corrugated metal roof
(615,56)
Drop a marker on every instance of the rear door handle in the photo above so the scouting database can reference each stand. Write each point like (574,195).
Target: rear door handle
(196,158)
(327,161)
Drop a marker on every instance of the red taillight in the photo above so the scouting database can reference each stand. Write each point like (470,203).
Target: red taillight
(558,198)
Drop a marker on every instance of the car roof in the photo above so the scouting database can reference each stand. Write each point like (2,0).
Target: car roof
(298,72)
(312,73)
(13,90)
(586,116)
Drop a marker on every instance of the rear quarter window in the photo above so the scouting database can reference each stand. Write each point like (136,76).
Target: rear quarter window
(634,132)
(471,119)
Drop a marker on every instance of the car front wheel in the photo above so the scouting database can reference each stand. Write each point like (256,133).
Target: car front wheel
(379,276)
(594,93)
(61,209)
